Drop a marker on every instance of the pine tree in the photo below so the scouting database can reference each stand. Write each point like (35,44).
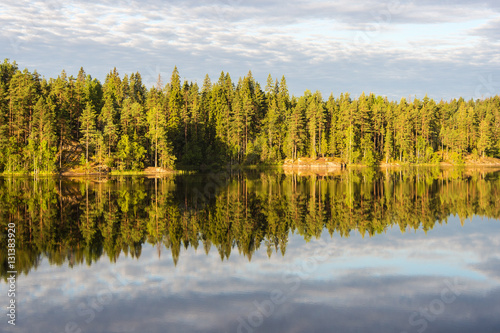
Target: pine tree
(100,149)
(175,111)
(79,99)
(88,129)
(156,129)
(272,122)
(249,108)
(58,96)
(346,139)
(7,71)
(363,120)
(124,152)
(296,129)
(43,136)
(283,111)
(389,144)
(237,123)
(332,112)
(484,144)
(108,123)
(379,114)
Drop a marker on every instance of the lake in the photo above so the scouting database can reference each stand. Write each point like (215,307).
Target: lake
(359,250)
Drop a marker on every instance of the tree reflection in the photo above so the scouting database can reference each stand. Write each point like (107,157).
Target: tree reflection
(76,221)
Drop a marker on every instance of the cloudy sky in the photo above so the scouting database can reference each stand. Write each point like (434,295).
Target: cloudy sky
(395,48)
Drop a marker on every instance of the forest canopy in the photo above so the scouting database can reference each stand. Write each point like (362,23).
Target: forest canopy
(47,125)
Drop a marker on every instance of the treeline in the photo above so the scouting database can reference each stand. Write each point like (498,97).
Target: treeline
(77,222)
(121,124)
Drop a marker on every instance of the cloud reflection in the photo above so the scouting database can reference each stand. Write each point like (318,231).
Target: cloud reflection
(340,293)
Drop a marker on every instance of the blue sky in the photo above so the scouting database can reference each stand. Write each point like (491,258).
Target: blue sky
(395,48)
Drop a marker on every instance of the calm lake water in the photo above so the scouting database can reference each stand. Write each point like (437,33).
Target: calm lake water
(411,250)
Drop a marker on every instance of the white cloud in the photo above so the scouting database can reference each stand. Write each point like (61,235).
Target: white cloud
(330,46)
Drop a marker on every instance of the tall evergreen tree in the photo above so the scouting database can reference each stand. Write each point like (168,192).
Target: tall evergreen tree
(88,128)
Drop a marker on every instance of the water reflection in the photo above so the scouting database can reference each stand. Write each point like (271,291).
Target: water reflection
(363,252)
(80,220)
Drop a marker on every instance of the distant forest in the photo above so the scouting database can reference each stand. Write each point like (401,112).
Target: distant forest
(122,125)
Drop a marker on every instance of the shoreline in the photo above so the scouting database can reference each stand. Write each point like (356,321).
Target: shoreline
(335,163)
(309,164)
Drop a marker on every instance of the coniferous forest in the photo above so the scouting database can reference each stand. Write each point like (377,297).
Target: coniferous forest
(48,124)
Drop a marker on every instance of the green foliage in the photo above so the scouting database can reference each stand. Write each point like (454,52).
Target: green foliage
(124,153)
(431,156)
(485,142)
(166,155)
(88,129)
(456,158)
(122,124)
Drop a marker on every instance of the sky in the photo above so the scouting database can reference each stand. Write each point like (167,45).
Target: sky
(396,48)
